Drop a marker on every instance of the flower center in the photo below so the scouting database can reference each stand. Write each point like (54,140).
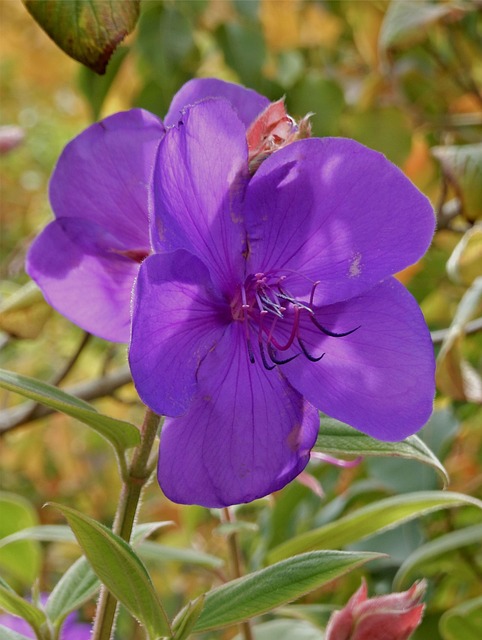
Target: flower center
(268,310)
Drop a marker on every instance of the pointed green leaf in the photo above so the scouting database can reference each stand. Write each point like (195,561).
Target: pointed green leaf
(338,439)
(76,586)
(262,591)
(42,533)
(183,623)
(122,435)
(22,560)
(162,552)
(13,603)
(434,548)
(87,31)
(119,568)
(374,518)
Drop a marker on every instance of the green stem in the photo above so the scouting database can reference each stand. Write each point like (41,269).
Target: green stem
(134,481)
(236,571)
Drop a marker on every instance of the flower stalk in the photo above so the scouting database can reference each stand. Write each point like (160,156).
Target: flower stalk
(138,473)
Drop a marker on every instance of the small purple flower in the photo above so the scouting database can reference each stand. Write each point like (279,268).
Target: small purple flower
(87,259)
(270,297)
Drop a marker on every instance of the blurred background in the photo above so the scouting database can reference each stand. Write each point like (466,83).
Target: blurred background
(402,77)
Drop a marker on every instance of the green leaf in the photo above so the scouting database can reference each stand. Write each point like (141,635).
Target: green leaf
(433,549)
(13,603)
(87,31)
(374,518)
(262,591)
(408,21)
(119,568)
(8,634)
(42,533)
(463,166)
(183,623)
(163,553)
(285,630)
(76,586)
(22,559)
(317,614)
(338,439)
(463,621)
(24,312)
(122,435)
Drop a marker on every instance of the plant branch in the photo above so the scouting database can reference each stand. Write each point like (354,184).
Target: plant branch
(235,559)
(139,471)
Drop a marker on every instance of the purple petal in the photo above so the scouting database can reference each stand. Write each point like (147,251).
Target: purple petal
(380,378)
(247,433)
(177,317)
(247,102)
(16,624)
(103,175)
(335,212)
(198,185)
(83,274)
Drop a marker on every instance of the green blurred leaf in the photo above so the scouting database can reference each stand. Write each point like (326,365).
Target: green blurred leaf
(122,435)
(462,164)
(285,630)
(78,585)
(338,439)
(94,87)
(87,31)
(406,22)
(43,533)
(8,634)
(13,603)
(463,621)
(321,96)
(22,559)
(24,312)
(317,614)
(465,263)
(431,550)
(119,568)
(374,518)
(264,590)
(164,553)
(244,51)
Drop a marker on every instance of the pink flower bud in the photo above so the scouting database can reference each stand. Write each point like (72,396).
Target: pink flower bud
(391,617)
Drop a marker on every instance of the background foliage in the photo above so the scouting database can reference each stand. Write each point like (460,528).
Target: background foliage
(400,78)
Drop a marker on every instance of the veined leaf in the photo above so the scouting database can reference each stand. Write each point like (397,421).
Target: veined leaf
(119,568)
(122,435)
(264,590)
(374,518)
(76,586)
(338,439)
(434,548)
(87,31)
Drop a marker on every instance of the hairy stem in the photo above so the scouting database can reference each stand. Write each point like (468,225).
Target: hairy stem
(236,570)
(134,481)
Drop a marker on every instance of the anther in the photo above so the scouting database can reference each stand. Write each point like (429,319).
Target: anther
(307,353)
(327,332)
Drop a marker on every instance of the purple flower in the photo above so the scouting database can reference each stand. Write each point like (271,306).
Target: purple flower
(270,297)
(87,259)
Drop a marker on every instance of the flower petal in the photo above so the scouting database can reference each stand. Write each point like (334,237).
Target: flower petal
(247,102)
(380,378)
(83,274)
(335,212)
(177,317)
(247,433)
(103,175)
(198,185)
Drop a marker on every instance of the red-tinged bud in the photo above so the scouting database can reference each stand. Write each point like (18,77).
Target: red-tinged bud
(11,136)
(391,617)
(272,130)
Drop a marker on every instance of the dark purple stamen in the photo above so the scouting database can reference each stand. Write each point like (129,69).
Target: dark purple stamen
(306,352)
(272,355)
(327,332)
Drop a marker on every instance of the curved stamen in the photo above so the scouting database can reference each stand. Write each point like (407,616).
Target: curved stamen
(307,353)
(327,332)
(272,355)
(266,364)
